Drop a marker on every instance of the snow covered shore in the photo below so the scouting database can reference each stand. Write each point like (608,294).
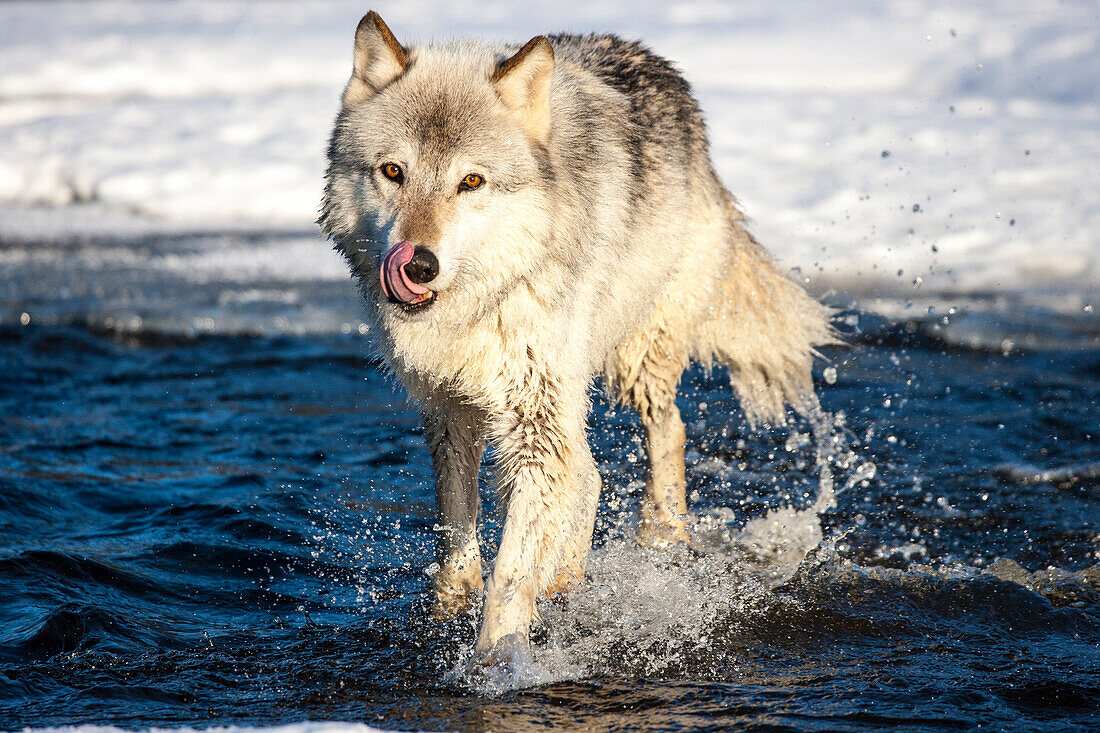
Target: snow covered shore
(881,148)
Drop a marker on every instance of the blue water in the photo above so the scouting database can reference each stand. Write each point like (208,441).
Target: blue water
(235,530)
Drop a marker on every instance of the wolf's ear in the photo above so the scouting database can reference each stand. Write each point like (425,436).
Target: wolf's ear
(523,83)
(379,59)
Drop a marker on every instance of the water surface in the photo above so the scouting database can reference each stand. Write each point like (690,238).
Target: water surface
(235,530)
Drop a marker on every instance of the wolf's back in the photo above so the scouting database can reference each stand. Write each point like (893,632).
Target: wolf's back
(727,302)
(664,115)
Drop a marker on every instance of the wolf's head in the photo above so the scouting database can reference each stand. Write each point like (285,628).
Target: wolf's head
(437,158)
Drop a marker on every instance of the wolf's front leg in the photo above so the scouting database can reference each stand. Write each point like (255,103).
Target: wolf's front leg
(546,472)
(456,441)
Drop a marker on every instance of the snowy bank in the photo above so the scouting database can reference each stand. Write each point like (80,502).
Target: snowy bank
(885,149)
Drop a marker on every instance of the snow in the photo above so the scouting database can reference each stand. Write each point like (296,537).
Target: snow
(888,150)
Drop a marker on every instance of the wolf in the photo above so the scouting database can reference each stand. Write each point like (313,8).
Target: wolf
(521,221)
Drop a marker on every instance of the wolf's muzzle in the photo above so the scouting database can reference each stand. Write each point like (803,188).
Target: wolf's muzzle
(405,268)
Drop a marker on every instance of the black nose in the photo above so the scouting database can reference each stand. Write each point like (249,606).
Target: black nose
(423,267)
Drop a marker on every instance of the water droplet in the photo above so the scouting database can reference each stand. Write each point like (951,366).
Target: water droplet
(830,375)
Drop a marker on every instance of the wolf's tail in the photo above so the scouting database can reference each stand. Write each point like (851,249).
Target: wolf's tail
(766,331)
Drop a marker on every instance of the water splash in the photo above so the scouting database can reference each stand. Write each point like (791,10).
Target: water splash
(644,612)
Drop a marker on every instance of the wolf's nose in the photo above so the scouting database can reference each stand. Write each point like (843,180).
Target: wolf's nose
(423,267)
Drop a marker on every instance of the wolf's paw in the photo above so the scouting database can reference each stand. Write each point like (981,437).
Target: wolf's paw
(455,597)
(445,608)
(507,656)
(656,535)
(567,578)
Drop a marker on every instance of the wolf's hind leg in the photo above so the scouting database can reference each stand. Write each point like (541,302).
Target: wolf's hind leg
(645,372)
(663,518)
(456,441)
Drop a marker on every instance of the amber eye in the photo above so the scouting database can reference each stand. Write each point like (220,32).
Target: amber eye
(470,182)
(393,172)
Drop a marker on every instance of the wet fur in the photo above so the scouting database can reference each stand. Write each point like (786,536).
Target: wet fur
(602,244)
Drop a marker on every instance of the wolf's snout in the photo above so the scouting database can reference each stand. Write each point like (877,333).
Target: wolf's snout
(404,268)
(423,267)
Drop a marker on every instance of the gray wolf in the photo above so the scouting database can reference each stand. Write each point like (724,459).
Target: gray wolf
(522,221)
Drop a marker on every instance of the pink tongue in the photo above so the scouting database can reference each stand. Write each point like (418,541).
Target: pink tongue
(395,283)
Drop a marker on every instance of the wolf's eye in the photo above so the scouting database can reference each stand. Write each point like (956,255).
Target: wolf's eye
(393,172)
(470,182)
